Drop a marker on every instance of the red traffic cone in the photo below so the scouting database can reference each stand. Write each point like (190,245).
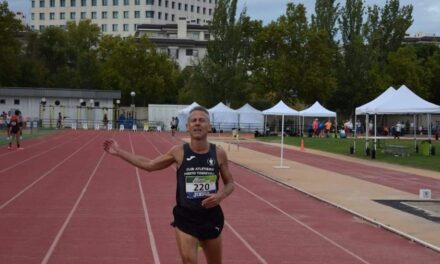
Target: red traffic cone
(302,144)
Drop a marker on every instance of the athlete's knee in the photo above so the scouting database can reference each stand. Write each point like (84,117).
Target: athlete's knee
(188,258)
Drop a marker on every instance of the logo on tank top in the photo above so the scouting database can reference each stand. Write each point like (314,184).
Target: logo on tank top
(211,162)
(190,158)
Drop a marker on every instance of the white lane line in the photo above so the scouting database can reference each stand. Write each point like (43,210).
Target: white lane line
(72,211)
(251,249)
(146,215)
(304,225)
(43,176)
(234,231)
(35,156)
(42,141)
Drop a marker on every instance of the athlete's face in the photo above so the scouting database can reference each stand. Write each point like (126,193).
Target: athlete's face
(198,124)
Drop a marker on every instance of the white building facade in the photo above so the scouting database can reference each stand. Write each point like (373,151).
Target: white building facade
(184,43)
(119,17)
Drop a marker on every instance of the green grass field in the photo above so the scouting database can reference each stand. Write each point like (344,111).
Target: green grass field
(342,146)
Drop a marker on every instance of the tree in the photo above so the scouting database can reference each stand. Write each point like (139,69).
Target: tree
(222,74)
(10,47)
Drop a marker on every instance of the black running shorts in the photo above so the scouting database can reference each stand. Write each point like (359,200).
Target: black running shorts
(202,224)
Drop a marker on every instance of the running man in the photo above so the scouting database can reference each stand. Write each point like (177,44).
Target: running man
(198,217)
(14,130)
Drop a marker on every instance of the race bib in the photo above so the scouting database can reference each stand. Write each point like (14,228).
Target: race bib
(200,186)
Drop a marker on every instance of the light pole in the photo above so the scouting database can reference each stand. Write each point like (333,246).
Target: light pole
(42,109)
(133,94)
(92,117)
(117,113)
(78,112)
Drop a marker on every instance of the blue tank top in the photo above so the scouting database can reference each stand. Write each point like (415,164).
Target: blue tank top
(197,177)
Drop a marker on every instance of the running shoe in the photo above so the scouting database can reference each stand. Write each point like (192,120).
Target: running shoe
(20,148)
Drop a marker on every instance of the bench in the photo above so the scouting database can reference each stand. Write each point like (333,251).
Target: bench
(396,150)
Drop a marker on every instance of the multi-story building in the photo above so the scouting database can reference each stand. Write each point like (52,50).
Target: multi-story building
(422,38)
(184,43)
(119,17)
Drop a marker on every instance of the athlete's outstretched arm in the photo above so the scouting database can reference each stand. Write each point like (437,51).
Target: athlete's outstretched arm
(161,162)
(228,181)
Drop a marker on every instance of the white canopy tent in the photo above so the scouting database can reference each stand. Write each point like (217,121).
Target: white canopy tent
(223,117)
(366,110)
(183,115)
(403,101)
(250,118)
(316,110)
(281,109)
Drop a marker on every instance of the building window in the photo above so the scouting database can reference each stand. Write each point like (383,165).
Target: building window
(173,5)
(179,6)
(125,27)
(189,52)
(17,101)
(104,27)
(160,3)
(72,2)
(149,14)
(204,10)
(72,15)
(104,2)
(42,4)
(2,101)
(210,11)
(159,15)
(137,2)
(41,27)
(137,14)
(135,27)
(166,16)
(32,16)
(186,7)
(115,27)
(104,14)
(126,14)
(62,16)
(93,15)
(94,2)
(41,16)
(62,3)
(115,14)
(83,2)
(51,3)
(172,17)
(149,2)
(198,10)
(33,4)
(126,2)
(192,8)
(166,3)
(115,2)
(52,16)
(83,15)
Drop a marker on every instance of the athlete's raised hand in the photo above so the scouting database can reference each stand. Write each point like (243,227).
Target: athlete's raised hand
(110,145)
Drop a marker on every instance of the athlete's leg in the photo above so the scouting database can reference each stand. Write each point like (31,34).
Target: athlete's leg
(187,245)
(213,250)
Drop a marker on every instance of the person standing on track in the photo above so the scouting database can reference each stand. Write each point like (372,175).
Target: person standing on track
(14,130)
(198,217)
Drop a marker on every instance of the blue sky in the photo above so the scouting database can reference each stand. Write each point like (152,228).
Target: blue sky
(426,12)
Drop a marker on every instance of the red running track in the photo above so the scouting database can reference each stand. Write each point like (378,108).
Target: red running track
(75,204)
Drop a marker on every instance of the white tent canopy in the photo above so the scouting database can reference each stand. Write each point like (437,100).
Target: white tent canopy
(404,101)
(317,110)
(223,117)
(385,96)
(250,118)
(401,101)
(281,109)
(183,115)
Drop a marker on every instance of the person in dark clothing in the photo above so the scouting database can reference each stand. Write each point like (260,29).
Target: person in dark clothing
(198,217)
